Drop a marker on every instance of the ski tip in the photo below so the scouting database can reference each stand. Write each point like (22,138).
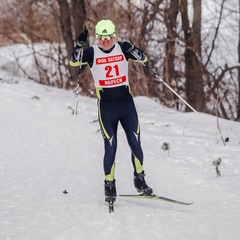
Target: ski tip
(183,203)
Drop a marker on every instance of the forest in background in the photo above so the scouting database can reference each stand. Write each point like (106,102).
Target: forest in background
(192,45)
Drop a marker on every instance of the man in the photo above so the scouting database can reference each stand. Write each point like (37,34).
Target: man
(108,62)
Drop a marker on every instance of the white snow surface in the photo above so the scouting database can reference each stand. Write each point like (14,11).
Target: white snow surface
(36,150)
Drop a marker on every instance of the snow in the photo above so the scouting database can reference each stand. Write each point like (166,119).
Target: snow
(36,124)
(36,150)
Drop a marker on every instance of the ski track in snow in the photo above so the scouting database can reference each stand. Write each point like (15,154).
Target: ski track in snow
(35,133)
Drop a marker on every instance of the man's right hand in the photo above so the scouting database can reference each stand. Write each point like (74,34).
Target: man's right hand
(82,38)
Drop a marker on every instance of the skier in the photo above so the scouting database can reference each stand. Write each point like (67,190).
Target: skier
(108,62)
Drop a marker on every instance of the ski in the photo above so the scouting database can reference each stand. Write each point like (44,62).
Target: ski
(111,207)
(155,197)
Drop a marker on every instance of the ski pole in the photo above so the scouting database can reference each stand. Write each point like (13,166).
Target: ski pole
(70,146)
(185,102)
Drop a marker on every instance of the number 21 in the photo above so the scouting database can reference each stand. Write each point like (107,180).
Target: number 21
(110,69)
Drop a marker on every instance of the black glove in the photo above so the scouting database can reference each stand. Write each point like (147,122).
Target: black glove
(127,46)
(82,38)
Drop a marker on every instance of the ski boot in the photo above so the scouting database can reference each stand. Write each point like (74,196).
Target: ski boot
(140,184)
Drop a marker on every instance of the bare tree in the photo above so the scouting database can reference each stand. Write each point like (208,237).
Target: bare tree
(170,75)
(222,86)
(238,104)
(193,66)
(189,58)
(72,17)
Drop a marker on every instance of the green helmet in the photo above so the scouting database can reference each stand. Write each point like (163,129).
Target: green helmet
(105,27)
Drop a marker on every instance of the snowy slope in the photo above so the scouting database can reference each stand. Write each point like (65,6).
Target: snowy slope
(35,130)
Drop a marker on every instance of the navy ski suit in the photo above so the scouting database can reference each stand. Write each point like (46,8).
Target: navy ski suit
(115,102)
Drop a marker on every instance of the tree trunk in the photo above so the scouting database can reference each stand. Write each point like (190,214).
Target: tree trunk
(197,27)
(193,65)
(72,23)
(65,23)
(238,105)
(78,16)
(170,18)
